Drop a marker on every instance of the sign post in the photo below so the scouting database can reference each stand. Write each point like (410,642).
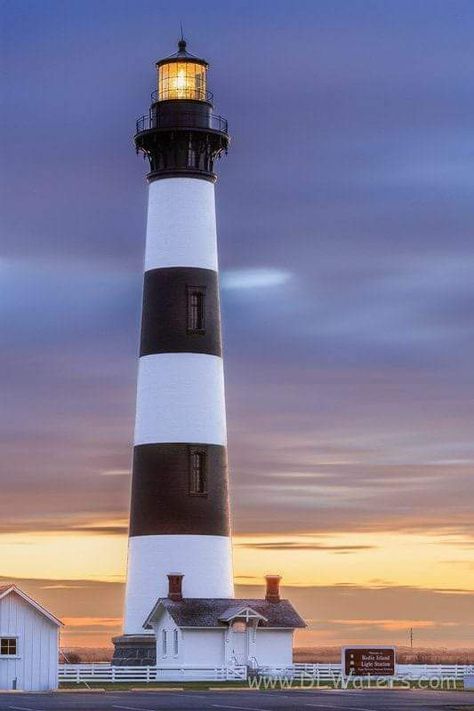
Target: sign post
(368,661)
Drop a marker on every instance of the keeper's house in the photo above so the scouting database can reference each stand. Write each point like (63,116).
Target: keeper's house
(29,643)
(225,631)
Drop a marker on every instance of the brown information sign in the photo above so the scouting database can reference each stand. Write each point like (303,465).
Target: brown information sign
(365,661)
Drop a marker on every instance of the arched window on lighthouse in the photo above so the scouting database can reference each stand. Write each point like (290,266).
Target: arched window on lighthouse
(198,478)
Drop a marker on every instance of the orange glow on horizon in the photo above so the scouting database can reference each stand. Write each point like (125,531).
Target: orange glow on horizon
(310,564)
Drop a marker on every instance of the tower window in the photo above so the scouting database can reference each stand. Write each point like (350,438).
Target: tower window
(196,298)
(176,643)
(198,478)
(164,643)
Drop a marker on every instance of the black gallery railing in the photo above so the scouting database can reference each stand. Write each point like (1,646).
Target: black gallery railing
(182,119)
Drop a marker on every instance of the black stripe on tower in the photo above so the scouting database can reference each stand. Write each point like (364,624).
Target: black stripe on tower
(180,489)
(181,312)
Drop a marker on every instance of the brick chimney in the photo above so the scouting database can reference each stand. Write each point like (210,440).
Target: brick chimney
(273,588)
(175,582)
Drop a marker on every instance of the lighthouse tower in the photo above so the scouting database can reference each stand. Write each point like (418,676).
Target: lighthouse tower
(179,520)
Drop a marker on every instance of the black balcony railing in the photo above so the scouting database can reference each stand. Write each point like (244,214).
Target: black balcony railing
(182,119)
(187,93)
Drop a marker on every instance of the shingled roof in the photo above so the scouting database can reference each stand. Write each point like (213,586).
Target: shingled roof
(212,612)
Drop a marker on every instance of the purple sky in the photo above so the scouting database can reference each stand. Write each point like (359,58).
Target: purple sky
(347,258)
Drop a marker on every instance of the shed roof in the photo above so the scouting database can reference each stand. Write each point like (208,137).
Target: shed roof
(7,589)
(214,612)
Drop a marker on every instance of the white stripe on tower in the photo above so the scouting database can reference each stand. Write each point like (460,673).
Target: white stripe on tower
(180,398)
(181,224)
(180,410)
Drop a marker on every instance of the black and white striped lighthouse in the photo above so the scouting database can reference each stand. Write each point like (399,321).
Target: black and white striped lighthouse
(179,520)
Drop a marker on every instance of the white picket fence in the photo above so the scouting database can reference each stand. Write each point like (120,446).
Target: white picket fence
(441,671)
(104,672)
(330,672)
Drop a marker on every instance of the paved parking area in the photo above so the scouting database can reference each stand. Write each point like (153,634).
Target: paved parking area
(376,700)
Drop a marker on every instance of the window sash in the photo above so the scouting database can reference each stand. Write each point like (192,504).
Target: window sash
(8,646)
(196,310)
(198,484)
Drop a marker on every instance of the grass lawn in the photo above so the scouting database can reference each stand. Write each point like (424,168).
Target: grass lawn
(205,685)
(127,686)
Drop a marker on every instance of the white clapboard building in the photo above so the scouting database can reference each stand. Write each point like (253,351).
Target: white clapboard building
(254,632)
(29,643)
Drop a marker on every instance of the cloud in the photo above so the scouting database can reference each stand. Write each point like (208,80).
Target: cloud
(91,623)
(103,529)
(74,523)
(116,472)
(258,278)
(298,546)
(390,624)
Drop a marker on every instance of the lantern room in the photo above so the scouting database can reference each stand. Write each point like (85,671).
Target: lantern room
(182,76)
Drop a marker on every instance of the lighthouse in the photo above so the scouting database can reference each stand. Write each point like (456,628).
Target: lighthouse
(179,518)
(179,600)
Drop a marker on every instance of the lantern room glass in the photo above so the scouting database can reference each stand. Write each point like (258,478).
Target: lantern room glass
(182,80)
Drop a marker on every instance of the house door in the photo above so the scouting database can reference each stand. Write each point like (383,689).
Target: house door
(239,643)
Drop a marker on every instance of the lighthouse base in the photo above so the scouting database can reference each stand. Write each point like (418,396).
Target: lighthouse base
(134,650)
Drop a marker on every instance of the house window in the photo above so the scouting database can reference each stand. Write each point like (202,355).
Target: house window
(164,643)
(198,473)
(196,297)
(176,643)
(8,647)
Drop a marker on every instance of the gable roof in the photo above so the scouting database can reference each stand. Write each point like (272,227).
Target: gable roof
(7,589)
(215,612)
(241,611)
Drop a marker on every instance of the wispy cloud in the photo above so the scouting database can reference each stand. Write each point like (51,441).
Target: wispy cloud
(92,622)
(298,546)
(257,278)
(115,472)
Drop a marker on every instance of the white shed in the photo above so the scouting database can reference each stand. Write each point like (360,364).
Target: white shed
(29,643)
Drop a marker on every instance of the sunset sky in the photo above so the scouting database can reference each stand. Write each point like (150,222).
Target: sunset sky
(345,227)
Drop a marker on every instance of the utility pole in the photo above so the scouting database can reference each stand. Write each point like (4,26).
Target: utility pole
(411,638)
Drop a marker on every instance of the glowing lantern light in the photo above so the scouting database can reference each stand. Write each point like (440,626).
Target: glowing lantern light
(182,76)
